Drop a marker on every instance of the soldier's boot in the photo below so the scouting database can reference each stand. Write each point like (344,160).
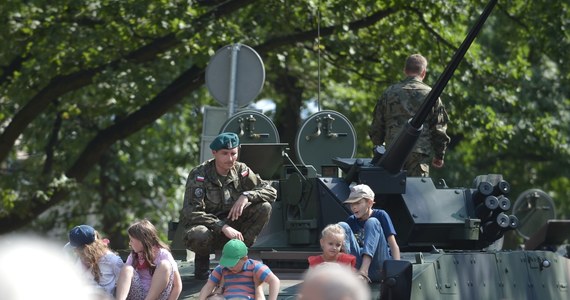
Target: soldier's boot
(201,266)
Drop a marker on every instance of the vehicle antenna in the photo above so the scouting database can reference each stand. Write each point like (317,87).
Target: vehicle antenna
(319,55)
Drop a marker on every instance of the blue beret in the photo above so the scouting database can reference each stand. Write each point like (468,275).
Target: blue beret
(226,140)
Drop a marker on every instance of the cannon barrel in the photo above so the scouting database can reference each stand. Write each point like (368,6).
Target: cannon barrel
(398,152)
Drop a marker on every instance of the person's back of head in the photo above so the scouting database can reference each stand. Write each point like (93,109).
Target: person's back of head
(333,281)
(416,65)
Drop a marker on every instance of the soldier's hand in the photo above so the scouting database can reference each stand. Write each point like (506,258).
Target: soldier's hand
(231,233)
(238,207)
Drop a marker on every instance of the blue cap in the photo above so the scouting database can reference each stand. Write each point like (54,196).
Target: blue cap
(81,235)
(226,140)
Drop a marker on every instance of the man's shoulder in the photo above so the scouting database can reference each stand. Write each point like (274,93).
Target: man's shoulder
(243,170)
(240,166)
(401,89)
(198,167)
(413,83)
(203,168)
(198,177)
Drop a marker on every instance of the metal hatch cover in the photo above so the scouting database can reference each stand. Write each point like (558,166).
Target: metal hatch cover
(249,75)
(533,208)
(252,127)
(325,135)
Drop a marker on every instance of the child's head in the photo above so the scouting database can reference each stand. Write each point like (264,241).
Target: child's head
(333,232)
(233,254)
(145,237)
(361,200)
(332,281)
(332,240)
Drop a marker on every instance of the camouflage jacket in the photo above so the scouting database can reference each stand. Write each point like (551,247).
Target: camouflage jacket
(397,105)
(207,200)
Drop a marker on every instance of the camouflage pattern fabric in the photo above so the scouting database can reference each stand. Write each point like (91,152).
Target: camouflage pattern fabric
(417,165)
(209,197)
(397,105)
(202,240)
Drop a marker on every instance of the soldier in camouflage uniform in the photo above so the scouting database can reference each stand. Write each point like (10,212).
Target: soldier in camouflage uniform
(398,104)
(224,199)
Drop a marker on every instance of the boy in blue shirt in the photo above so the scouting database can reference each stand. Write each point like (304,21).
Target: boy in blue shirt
(369,232)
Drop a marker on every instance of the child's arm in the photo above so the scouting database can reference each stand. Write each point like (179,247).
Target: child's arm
(274,285)
(176,287)
(206,290)
(394,248)
(259,293)
(366,261)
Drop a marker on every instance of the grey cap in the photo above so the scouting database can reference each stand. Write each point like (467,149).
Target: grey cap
(360,191)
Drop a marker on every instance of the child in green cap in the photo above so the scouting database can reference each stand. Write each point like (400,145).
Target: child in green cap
(238,276)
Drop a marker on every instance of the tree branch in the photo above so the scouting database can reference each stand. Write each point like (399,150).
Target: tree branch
(311,34)
(164,101)
(63,84)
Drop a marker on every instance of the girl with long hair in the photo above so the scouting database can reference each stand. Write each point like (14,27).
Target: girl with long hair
(101,264)
(150,271)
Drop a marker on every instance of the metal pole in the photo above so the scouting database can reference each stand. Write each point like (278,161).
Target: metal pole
(233,71)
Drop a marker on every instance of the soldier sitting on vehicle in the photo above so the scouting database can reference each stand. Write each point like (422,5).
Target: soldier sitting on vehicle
(224,200)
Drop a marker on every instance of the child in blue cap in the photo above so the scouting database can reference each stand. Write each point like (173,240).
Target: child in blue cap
(102,265)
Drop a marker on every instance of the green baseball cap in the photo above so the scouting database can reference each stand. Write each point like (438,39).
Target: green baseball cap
(225,140)
(233,251)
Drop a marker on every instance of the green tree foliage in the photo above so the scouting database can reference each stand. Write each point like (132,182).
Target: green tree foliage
(100,100)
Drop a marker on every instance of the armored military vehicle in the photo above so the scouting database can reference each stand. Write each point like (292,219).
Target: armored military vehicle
(449,237)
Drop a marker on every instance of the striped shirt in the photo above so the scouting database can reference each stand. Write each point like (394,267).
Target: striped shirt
(241,285)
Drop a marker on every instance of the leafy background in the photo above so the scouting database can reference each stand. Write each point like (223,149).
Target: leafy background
(101,101)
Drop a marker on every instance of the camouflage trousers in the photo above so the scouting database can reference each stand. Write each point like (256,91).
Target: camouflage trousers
(417,165)
(204,241)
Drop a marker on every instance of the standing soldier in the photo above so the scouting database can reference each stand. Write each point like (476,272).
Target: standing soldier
(224,200)
(398,104)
